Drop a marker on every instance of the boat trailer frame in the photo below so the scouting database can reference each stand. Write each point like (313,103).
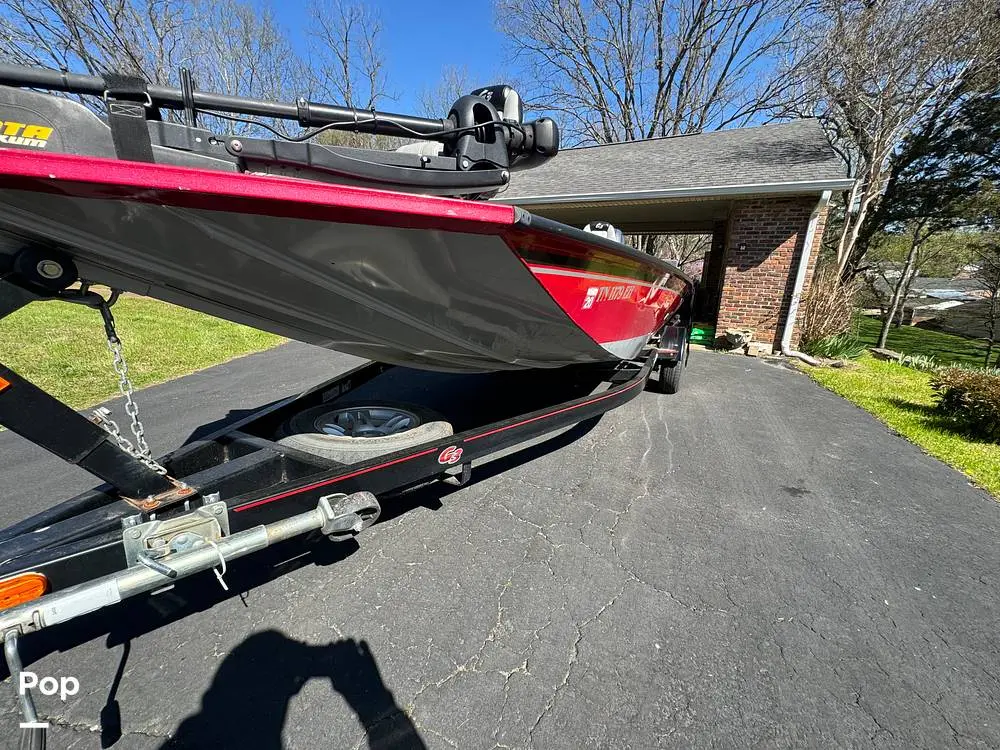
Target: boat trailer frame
(228,494)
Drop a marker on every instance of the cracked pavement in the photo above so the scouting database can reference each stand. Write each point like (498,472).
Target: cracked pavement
(753,562)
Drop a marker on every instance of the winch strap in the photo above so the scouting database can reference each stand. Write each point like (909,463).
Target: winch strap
(128,98)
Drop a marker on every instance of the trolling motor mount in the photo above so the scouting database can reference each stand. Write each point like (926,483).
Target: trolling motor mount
(484,147)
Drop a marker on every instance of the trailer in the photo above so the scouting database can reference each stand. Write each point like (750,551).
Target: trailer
(336,247)
(254,482)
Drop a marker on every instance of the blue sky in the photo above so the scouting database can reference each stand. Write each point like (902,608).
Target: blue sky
(420,39)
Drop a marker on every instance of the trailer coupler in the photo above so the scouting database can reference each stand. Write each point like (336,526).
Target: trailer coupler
(337,516)
(163,552)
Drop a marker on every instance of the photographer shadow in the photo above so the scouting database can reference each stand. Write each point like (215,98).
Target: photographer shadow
(247,703)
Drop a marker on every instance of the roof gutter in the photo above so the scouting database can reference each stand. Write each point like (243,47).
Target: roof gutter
(709,191)
(800,280)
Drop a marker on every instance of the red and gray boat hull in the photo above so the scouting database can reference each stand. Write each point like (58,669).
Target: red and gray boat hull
(435,283)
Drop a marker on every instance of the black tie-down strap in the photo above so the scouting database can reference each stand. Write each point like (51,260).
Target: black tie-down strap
(129,106)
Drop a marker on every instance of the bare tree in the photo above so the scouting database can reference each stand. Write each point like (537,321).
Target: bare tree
(347,61)
(347,64)
(987,274)
(876,72)
(679,249)
(145,37)
(622,70)
(454,82)
(231,46)
(682,249)
(901,284)
(239,49)
(899,259)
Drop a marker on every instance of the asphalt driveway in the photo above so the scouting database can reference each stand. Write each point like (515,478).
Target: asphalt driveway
(754,562)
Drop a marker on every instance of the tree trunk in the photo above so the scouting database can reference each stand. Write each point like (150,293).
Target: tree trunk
(898,320)
(897,296)
(843,251)
(852,226)
(992,317)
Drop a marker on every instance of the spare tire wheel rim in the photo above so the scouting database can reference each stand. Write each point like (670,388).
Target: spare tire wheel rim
(365,421)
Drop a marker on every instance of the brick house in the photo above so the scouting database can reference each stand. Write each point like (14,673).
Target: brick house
(761,193)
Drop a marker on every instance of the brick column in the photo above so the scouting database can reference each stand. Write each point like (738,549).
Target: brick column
(764,246)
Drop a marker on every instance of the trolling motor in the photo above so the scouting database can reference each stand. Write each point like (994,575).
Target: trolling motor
(529,145)
(475,147)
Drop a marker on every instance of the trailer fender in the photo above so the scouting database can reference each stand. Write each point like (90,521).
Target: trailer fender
(352,432)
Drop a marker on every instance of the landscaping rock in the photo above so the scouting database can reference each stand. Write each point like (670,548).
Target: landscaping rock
(737,338)
(886,354)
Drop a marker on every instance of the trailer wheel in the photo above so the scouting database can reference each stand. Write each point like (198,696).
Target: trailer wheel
(349,433)
(669,371)
(669,376)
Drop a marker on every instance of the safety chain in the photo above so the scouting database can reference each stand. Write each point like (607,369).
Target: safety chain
(103,418)
(140,449)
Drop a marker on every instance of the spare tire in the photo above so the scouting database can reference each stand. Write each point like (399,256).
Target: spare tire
(351,432)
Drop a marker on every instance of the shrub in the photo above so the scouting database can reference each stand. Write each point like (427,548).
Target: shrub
(838,346)
(971,398)
(827,308)
(921,362)
(976,368)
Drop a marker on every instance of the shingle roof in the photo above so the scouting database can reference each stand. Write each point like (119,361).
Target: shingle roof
(792,152)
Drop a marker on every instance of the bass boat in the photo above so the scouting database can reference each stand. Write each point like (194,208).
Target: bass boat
(396,256)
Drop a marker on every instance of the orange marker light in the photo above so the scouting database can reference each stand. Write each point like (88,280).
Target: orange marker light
(4,384)
(22,588)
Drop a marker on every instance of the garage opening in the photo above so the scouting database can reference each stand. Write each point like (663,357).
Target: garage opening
(736,207)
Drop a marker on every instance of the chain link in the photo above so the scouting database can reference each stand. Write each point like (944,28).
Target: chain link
(126,389)
(140,449)
(103,418)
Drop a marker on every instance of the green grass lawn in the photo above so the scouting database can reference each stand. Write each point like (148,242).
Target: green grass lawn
(902,398)
(944,347)
(61,347)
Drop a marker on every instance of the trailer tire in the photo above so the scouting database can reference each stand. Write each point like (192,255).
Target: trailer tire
(670,376)
(305,431)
